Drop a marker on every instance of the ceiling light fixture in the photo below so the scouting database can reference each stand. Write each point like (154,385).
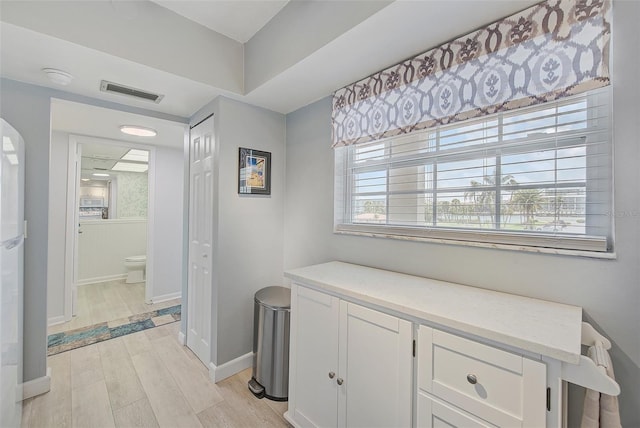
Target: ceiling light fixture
(58,77)
(138,131)
(136,155)
(100,174)
(130,167)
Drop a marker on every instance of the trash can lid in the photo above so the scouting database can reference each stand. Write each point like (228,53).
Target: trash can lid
(274,297)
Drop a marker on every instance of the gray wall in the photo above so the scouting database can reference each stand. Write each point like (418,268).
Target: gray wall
(608,290)
(250,228)
(27,109)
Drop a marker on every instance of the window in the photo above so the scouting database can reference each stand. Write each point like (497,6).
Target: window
(538,176)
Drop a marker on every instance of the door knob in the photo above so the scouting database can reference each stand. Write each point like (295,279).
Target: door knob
(472,379)
(332,375)
(340,381)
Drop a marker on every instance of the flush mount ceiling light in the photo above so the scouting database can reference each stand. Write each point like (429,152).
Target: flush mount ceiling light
(130,167)
(58,77)
(138,131)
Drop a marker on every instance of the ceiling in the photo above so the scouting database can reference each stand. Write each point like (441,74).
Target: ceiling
(310,67)
(238,20)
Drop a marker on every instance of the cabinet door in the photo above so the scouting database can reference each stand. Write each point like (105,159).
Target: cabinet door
(375,369)
(434,414)
(314,395)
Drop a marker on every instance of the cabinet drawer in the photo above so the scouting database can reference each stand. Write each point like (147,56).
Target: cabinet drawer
(498,386)
(435,414)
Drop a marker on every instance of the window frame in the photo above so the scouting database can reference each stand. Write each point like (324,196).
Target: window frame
(347,168)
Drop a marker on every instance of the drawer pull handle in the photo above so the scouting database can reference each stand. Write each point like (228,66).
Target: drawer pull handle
(339,380)
(332,375)
(472,379)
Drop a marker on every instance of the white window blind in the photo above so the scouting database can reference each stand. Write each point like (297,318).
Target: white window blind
(538,176)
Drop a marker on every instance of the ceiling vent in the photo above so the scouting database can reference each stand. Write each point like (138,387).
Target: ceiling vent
(116,88)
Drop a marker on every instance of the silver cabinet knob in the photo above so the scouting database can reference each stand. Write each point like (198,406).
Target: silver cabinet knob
(340,381)
(472,379)
(332,375)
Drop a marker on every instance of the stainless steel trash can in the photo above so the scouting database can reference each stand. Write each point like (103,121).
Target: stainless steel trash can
(270,377)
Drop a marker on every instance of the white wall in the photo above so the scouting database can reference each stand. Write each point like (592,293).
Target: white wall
(103,246)
(608,290)
(167,227)
(248,254)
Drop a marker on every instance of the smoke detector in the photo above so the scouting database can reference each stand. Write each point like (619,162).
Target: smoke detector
(58,77)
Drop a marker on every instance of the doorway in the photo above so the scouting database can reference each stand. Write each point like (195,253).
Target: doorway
(86,140)
(112,208)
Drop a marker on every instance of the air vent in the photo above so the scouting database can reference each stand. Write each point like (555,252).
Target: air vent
(116,88)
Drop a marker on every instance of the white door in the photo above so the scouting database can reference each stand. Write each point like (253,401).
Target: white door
(375,369)
(200,240)
(75,173)
(316,372)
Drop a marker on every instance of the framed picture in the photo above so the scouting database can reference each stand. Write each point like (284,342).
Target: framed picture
(254,172)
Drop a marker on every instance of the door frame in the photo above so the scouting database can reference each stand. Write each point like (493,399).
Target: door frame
(72,221)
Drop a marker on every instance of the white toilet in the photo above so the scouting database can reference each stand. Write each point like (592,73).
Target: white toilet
(136,266)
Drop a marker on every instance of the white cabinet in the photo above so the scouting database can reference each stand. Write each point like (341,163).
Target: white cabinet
(498,363)
(480,383)
(350,366)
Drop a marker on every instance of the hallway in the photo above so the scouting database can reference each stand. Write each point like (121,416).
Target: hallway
(109,301)
(145,379)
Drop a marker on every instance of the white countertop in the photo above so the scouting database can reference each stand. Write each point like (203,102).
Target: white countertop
(542,327)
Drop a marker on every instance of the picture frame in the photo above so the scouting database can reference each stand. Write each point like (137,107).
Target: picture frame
(254,172)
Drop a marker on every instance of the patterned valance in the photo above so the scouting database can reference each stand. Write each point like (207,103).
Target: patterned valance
(551,50)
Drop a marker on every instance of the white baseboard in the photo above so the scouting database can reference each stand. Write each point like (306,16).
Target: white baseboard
(55,320)
(165,297)
(37,386)
(105,278)
(182,338)
(223,371)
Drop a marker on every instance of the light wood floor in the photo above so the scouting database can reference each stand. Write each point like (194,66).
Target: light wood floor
(109,301)
(145,379)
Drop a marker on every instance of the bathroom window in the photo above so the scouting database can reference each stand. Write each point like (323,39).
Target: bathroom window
(535,178)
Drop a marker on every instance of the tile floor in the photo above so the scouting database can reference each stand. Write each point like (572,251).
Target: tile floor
(144,379)
(108,301)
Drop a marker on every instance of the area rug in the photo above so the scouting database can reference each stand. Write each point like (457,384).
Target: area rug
(72,339)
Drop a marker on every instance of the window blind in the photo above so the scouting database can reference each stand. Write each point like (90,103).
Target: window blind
(538,176)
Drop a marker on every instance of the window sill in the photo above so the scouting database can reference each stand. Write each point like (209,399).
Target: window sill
(375,232)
